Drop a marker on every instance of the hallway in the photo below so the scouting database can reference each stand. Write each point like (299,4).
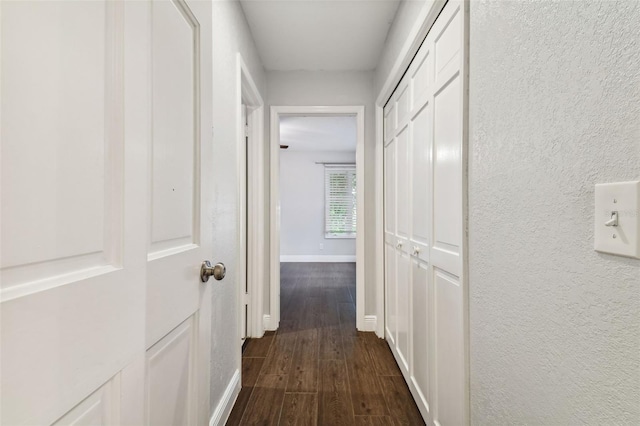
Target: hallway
(317,369)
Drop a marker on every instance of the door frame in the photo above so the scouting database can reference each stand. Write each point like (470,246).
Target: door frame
(251,240)
(272,320)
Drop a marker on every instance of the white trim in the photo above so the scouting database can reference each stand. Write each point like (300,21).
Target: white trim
(371,323)
(379,242)
(464,279)
(276,112)
(247,93)
(426,18)
(360,226)
(266,323)
(317,258)
(249,88)
(274,226)
(258,219)
(222,411)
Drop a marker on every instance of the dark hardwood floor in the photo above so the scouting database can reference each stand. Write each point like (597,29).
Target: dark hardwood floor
(317,369)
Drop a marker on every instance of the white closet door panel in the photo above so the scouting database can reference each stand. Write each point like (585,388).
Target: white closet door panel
(421,331)
(449,384)
(390,293)
(389,122)
(390,188)
(403,307)
(447,174)
(171,391)
(403,104)
(448,42)
(447,260)
(390,238)
(421,183)
(422,77)
(402,185)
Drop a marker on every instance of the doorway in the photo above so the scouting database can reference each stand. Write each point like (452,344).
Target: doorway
(336,172)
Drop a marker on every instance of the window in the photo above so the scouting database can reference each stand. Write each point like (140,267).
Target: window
(340,201)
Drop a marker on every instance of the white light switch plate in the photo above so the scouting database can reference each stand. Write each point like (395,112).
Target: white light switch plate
(624,198)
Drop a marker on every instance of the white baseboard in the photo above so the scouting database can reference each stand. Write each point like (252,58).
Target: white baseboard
(370,322)
(317,258)
(222,411)
(266,323)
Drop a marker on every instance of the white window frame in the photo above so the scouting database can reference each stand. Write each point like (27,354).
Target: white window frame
(333,168)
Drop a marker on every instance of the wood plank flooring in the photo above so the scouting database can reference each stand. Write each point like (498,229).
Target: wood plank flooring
(317,369)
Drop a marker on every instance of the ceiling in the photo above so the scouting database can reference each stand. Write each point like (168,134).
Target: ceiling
(314,35)
(318,133)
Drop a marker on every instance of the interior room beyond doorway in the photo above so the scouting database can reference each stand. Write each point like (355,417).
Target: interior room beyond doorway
(316,173)
(318,189)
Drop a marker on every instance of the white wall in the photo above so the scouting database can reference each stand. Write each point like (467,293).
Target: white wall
(555,107)
(404,22)
(230,35)
(302,205)
(337,88)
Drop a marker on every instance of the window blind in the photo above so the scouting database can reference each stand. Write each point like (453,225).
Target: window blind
(340,201)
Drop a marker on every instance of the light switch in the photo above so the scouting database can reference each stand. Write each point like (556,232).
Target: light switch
(617,216)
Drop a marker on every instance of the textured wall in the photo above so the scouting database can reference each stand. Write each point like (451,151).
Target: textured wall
(230,35)
(302,204)
(554,109)
(337,88)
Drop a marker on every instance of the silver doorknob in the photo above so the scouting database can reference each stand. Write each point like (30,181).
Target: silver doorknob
(206,270)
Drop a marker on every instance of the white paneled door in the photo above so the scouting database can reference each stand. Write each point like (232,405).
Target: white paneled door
(105,133)
(426,317)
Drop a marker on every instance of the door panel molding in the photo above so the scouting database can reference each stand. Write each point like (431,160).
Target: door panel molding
(55,243)
(101,407)
(171,385)
(175,148)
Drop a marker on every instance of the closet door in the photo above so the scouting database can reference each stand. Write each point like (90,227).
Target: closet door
(402,228)
(421,75)
(390,240)
(450,373)
(426,318)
